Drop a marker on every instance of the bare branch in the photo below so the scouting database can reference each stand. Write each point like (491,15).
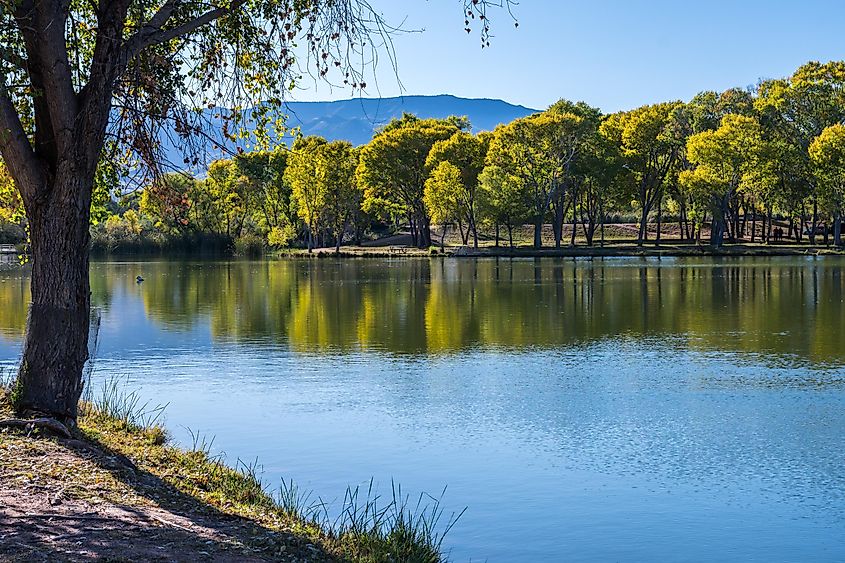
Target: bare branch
(15,148)
(151,34)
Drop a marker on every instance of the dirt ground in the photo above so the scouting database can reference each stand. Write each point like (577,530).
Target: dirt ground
(62,500)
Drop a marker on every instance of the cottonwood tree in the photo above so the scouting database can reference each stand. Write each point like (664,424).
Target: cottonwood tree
(392,169)
(795,111)
(503,199)
(342,196)
(442,196)
(540,150)
(723,159)
(650,143)
(827,154)
(466,152)
(74,74)
(307,194)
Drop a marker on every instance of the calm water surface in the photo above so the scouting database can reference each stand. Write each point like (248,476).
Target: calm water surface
(606,410)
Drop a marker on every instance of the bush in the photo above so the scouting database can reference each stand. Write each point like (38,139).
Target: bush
(249,245)
(281,237)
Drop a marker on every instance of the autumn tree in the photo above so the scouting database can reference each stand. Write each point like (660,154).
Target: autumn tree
(503,199)
(392,170)
(794,111)
(827,154)
(723,158)
(442,196)
(650,142)
(466,152)
(540,150)
(335,176)
(11,208)
(167,201)
(307,193)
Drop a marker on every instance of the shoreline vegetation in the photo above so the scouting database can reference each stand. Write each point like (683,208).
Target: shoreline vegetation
(609,251)
(118,490)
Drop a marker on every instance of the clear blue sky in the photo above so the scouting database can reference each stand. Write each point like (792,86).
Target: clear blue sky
(614,54)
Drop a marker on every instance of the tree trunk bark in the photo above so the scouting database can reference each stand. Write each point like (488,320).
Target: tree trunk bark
(837,230)
(769,227)
(815,222)
(425,232)
(659,220)
(557,225)
(642,235)
(753,225)
(538,233)
(56,346)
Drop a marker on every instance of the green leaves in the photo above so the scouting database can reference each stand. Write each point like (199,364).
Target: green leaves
(827,155)
(392,168)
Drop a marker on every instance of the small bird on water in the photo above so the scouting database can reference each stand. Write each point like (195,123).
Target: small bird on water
(139,279)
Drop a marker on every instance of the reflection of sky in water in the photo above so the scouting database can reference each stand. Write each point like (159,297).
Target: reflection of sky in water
(635,446)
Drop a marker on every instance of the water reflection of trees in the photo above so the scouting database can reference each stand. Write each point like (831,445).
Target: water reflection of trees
(780,306)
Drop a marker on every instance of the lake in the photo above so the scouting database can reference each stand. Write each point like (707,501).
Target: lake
(582,410)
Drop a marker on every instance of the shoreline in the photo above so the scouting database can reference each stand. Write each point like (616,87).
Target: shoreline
(608,251)
(116,489)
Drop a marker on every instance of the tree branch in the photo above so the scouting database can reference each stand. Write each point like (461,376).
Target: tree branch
(15,148)
(152,34)
(42,25)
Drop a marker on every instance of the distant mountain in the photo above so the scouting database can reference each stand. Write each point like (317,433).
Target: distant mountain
(357,119)
(354,120)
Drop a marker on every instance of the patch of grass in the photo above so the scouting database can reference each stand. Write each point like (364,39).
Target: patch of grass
(370,528)
(115,401)
(366,527)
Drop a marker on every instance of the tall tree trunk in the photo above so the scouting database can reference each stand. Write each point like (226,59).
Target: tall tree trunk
(642,235)
(659,219)
(538,232)
(769,227)
(602,227)
(753,224)
(461,230)
(837,230)
(720,223)
(425,232)
(557,224)
(497,234)
(56,345)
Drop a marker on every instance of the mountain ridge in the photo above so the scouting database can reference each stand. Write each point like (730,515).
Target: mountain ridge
(357,119)
(354,119)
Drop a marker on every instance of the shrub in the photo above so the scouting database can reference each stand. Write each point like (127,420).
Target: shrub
(249,245)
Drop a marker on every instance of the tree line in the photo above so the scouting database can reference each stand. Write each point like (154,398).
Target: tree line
(732,164)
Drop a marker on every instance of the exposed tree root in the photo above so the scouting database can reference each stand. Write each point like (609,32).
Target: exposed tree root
(50,424)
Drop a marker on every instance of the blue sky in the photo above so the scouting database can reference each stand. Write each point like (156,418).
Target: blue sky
(614,54)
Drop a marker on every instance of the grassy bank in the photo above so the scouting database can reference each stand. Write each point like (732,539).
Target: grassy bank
(117,490)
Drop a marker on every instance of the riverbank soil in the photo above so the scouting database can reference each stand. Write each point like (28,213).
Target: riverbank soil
(619,240)
(82,500)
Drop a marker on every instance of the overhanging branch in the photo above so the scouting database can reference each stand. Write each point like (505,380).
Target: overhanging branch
(15,148)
